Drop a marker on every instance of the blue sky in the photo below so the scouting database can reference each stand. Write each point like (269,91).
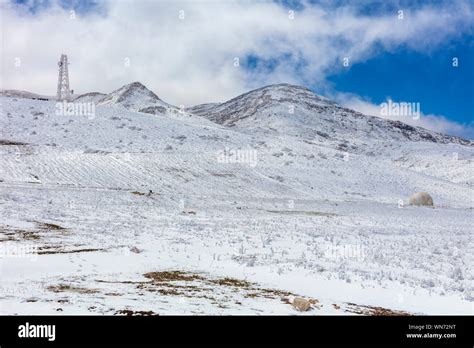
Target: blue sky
(429,79)
(80,6)
(408,61)
(404,74)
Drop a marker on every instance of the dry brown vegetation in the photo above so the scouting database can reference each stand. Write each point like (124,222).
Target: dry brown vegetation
(190,285)
(199,286)
(373,311)
(50,252)
(10,142)
(70,288)
(138,193)
(49,226)
(172,276)
(129,312)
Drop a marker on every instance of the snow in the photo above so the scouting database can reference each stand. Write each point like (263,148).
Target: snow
(22,94)
(93,97)
(318,216)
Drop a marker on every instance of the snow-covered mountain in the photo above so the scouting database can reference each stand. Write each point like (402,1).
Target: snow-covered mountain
(136,97)
(279,187)
(294,109)
(13,93)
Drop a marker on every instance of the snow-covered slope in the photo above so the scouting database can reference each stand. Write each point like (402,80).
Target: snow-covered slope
(296,110)
(13,93)
(314,204)
(202,109)
(93,97)
(136,97)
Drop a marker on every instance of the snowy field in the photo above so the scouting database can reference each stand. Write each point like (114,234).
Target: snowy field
(127,212)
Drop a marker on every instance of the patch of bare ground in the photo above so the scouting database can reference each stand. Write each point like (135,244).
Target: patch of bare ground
(49,226)
(10,142)
(71,288)
(73,251)
(119,281)
(199,286)
(189,212)
(373,310)
(29,235)
(11,234)
(191,285)
(14,234)
(7,235)
(129,312)
(172,276)
(231,282)
(138,193)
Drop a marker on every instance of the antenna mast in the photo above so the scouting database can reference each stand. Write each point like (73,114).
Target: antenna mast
(64,93)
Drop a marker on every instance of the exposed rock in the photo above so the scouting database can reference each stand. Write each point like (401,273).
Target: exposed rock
(301,304)
(421,198)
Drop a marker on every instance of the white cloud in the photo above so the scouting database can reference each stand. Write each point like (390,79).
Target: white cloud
(436,123)
(191,60)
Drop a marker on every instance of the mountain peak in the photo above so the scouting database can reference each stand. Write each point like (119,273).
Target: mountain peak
(131,96)
(282,90)
(284,85)
(135,88)
(134,85)
(281,98)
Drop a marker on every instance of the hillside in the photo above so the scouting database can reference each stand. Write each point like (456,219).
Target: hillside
(305,202)
(287,108)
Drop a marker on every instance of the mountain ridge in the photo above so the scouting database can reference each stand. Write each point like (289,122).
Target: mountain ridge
(280,102)
(282,107)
